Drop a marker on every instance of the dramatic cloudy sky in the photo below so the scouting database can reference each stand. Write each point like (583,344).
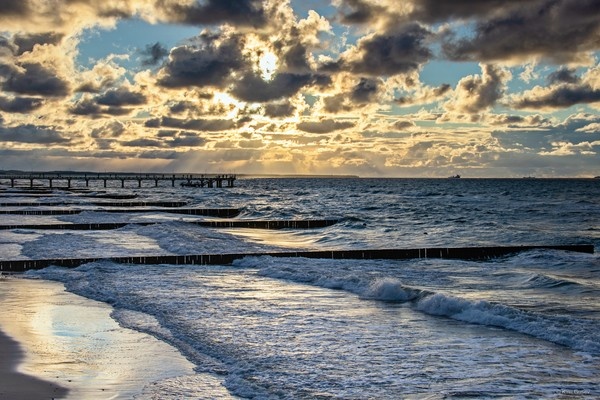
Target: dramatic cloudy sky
(366,87)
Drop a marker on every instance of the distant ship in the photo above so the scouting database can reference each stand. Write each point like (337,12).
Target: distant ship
(454,177)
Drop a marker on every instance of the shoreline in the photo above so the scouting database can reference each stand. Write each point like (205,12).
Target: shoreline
(55,344)
(18,386)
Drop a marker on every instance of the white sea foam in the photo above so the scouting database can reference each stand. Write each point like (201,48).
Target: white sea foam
(390,289)
(579,334)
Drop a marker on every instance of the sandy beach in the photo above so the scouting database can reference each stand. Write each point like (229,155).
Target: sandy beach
(54,344)
(17,386)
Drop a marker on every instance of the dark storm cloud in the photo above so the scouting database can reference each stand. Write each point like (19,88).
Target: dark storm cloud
(518,121)
(181,106)
(387,54)
(209,125)
(14,7)
(560,97)
(429,11)
(153,54)
(509,120)
(209,64)
(89,107)
(186,139)
(152,123)
(121,97)
(112,129)
(278,110)
(359,11)
(181,138)
(236,12)
(85,107)
(365,90)
(142,142)
(31,134)
(295,59)
(34,79)
(7,47)
(26,42)
(324,126)
(88,87)
(559,30)
(428,96)
(442,89)
(20,104)
(436,11)
(253,88)
(563,75)
(403,125)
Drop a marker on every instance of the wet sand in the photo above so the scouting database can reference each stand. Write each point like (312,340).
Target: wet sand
(54,344)
(18,386)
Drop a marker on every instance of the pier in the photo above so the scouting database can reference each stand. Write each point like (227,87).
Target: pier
(457,253)
(190,180)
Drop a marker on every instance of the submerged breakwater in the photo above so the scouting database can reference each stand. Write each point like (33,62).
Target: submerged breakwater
(248,224)
(464,253)
(207,212)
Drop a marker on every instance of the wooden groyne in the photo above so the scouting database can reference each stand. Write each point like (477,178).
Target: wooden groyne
(240,223)
(462,253)
(53,193)
(193,180)
(206,212)
(100,203)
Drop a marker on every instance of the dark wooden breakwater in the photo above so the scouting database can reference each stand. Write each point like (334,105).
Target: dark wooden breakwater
(239,223)
(99,203)
(194,180)
(462,253)
(206,212)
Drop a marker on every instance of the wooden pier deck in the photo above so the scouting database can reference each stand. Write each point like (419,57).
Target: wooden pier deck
(191,180)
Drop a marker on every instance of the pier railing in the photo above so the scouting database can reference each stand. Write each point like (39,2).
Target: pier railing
(193,180)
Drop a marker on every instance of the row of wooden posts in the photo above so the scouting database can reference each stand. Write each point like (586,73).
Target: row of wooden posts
(194,180)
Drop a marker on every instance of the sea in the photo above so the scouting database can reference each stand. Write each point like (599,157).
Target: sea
(526,325)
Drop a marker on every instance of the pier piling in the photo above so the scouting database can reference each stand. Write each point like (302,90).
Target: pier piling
(193,180)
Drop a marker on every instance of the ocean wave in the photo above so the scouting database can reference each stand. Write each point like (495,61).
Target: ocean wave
(550,282)
(576,333)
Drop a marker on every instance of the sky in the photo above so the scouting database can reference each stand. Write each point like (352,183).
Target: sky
(375,88)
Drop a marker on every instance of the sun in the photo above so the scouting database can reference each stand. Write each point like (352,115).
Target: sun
(267,65)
